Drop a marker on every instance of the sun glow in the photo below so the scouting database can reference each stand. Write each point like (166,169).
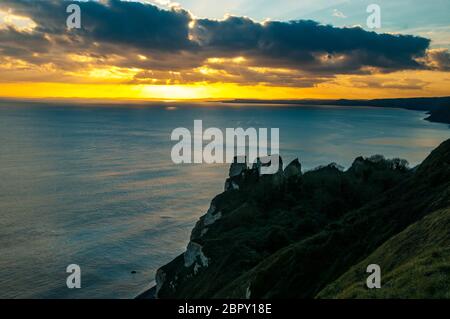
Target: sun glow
(110,84)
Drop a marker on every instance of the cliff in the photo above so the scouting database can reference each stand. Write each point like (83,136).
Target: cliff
(312,235)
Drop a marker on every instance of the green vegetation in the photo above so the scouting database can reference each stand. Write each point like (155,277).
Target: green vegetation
(415,263)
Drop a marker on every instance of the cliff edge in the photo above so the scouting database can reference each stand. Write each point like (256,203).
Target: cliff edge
(310,234)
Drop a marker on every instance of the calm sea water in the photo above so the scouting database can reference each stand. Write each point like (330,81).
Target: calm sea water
(95,185)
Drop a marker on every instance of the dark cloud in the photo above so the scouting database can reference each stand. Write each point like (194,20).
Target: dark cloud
(117,22)
(309,45)
(119,33)
(22,44)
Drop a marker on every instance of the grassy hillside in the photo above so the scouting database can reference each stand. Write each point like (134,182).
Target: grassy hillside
(414,264)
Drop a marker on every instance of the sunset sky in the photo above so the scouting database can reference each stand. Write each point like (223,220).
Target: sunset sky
(199,49)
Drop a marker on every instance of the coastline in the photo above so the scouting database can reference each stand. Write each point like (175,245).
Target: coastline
(437,108)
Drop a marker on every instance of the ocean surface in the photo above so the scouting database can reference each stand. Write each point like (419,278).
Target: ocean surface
(95,185)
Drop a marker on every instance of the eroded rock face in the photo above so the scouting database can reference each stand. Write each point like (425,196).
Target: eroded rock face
(160,279)
(201,228)
(231,185)
(194,261)
(194,254)
(248,293)
(238,166)
(212,216)
(237,173)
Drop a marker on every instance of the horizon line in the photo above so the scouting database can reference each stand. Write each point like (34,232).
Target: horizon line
(200,100)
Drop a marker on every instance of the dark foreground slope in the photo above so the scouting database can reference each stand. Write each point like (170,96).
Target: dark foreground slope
(294,235)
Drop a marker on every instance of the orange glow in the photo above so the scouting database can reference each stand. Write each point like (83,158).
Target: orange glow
(349,86)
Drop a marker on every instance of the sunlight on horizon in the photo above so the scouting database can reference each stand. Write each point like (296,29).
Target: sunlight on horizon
(399,84)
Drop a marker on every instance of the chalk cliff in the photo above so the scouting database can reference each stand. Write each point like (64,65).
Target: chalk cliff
(312,234)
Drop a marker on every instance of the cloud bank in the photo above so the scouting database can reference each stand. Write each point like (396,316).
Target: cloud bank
(136,42)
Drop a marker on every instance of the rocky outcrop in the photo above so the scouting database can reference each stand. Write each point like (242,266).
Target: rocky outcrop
(238,167)
(194,255)
(293,170)
(267,162)
(241,175)
(212,216)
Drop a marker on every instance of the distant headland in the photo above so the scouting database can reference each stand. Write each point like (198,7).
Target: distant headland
(438,108)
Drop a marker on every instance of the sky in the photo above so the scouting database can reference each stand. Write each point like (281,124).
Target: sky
(203,49)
